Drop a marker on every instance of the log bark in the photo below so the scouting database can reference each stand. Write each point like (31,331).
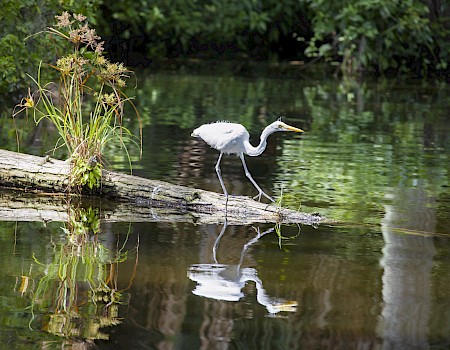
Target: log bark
(124,197)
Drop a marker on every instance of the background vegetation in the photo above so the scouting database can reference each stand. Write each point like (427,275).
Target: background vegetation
(20,50)
(376,36)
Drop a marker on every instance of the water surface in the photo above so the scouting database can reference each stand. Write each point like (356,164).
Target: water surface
(374,156)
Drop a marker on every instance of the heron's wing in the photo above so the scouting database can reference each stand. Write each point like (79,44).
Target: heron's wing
(225,137)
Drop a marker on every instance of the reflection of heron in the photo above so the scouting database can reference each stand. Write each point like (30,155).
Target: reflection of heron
(225,282)
(231,138)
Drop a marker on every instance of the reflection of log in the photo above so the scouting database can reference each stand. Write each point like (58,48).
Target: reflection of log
(135,198)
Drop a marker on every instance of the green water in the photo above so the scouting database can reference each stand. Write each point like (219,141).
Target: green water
(374,156)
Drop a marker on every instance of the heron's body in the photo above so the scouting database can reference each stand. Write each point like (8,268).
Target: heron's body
(232,138)
(225,137)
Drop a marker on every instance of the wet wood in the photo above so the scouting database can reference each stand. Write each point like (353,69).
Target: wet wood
(124,197)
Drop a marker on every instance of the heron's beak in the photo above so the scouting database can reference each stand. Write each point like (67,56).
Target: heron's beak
(292,128)
(288,306)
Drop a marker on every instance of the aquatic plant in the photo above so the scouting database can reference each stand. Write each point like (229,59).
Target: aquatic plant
(76,291)
(87,104)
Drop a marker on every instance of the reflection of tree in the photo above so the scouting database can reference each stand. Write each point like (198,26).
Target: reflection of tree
(357,133)
(78,294)
(363,141)
(407,262)
(158,313)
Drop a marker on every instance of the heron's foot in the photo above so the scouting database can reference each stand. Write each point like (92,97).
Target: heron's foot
(261,193)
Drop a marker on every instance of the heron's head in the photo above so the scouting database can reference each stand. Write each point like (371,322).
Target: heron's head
(280,126)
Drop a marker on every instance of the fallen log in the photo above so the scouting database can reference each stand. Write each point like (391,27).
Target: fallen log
(134,198)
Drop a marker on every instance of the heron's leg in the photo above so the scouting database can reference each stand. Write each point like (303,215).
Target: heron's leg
(247,173)
(216,243)
(220,176)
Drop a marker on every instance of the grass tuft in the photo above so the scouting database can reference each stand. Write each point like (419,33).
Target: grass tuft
(86,104)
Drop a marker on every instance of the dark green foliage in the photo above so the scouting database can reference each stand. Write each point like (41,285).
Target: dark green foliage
(17,24)
(377,33)
(185,26)
(374,35)
(354,35)
(20,49)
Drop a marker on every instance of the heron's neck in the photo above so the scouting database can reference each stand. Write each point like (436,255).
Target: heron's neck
(256,151)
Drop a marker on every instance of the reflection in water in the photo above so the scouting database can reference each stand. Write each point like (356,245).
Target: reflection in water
(407,262)
(380,134)
(225,282)
(77,294)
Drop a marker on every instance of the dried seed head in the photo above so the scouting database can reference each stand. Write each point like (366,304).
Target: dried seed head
(63,20)
(79,17)
(109,99)
(71,62)
(100,60)
(75,35)
(121,83)
(88,36)
(99,48)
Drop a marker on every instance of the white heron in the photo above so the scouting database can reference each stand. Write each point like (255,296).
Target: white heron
(232,138)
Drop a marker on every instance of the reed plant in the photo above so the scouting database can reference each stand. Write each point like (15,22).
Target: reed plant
(86,104)
(75,290)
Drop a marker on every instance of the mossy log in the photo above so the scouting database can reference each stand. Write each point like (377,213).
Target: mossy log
(124,197)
